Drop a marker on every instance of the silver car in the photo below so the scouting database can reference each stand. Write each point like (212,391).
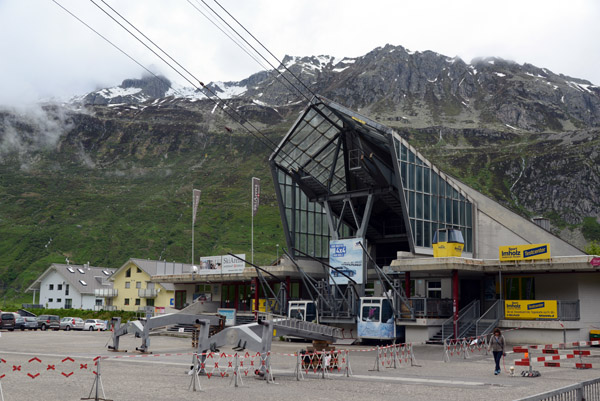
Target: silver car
(71,323)
(95,325)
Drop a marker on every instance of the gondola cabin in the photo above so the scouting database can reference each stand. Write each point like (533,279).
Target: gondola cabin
(447,242)
(376,319)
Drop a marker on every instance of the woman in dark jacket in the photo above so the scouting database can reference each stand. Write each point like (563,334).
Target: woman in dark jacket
(497,348)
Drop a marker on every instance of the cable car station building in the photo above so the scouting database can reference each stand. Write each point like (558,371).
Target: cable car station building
(340,175)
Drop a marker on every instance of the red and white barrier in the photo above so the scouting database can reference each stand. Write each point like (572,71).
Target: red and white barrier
(554,354)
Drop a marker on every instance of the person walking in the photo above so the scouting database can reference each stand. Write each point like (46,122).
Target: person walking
(497,347)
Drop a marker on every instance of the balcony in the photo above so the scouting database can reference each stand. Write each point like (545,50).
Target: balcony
(99,308)
(147,293)
(106,292)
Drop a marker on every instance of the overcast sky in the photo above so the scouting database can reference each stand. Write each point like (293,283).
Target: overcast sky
(44,52)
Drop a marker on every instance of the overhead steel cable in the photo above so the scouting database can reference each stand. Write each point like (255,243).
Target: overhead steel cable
(245,50)
(260,54)
(165,81)
(239,118)
(264,47)
(240,45)
(235,118)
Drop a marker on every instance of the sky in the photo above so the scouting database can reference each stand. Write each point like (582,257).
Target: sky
(46,53)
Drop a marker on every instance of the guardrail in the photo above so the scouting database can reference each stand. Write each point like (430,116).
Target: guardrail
(431,307)
(486,323)
(588,390)
(466,318)
(568,310)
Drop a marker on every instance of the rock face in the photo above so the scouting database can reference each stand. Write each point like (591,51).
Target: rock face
(131,91)
(526,136)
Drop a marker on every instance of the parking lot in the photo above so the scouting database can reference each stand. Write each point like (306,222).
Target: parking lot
(59,366)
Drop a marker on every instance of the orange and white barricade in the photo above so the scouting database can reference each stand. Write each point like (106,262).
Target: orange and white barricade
(553,355)
(391,356)
(322,362)
(464,347)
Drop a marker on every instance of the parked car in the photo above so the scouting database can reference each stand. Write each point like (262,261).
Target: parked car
(7,320)
(48,322)
(94,324)
(26,323)
(71,323)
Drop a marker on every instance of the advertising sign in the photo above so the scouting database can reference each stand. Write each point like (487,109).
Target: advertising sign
(255,195)
(530,310)
(222,264)
(348,256)
(229,316)
(595,262)
(524,252)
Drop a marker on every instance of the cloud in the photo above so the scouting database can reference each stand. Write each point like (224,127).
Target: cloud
(47,53)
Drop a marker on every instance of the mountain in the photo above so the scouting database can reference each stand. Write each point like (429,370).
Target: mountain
(109,175)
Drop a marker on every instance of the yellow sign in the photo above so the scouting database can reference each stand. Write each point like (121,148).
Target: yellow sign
(530,310)
(447,249)
(525,252)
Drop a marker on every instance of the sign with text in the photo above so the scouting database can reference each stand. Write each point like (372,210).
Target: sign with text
(348,257)
(229,314)
(222,264)
(530,310)
(524,252)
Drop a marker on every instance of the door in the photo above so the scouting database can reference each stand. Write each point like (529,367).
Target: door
(469,291)
(180,297)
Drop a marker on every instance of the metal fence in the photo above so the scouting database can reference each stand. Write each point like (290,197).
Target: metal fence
(585,391)
(568,310)
(431,307)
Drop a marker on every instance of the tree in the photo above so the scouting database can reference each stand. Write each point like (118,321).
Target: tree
(593,248)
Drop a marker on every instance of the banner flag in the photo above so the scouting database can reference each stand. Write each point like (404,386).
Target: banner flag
(195,202)
(255,195)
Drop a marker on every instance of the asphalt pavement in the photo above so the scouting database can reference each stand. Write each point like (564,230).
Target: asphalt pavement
(52,365)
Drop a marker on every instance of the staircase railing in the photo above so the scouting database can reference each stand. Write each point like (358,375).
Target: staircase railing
(486,323)
(466,318)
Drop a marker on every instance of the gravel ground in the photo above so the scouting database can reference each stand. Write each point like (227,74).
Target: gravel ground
(129,376)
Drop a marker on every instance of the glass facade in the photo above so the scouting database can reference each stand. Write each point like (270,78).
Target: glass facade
(432,202)
(306,220)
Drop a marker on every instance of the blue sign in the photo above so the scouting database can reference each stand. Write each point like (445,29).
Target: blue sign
(347,256)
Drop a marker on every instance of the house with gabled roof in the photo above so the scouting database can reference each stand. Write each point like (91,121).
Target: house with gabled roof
(66,286)
(134,290)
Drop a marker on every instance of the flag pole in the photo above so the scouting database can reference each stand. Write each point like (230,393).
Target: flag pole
(252,229)
(195,201)
(254,208)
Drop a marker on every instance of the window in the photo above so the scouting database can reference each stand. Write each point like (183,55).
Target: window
(126,301)
(59,300)
(139,270)
(67,289)
(128,273)
(83,282)
(80,270)
(50,299)
(434,289)
(68,303)
(138,284)
(519,288)
(150,302)
(70,269)
(127,284)
(51,287)
(98,301)
(59,287)
(137,301)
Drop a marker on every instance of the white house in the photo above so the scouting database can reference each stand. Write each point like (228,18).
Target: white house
(71,286)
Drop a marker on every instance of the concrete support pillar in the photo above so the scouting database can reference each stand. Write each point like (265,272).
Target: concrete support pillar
(455,301)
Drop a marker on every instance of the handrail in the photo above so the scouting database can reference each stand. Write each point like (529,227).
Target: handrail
(448,324)
(497,309)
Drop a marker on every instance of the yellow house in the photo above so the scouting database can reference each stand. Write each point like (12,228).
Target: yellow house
(135,292)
